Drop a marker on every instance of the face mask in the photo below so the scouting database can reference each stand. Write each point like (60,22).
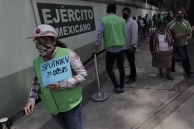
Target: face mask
(179,18)
(162,29)
(125,16)
(45,50)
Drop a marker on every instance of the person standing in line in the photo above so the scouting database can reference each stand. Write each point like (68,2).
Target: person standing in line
(112,30)
(168,18)
(141,24)
(158,18)
(148,22)
(182,29)
(161,48)
(131,31)
(62,99)
(154,20)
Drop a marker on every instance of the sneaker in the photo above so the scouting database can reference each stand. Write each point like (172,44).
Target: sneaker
(137,50)
(117,90)
(161,75)
(170,77)
(131,80)
(122,90)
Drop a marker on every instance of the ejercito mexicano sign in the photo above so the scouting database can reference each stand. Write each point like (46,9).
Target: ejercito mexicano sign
(68,20)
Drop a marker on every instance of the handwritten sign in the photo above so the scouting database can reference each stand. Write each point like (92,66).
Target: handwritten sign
(55,70)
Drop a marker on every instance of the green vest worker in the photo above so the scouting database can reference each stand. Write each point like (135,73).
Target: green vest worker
(112,30)
(62,98)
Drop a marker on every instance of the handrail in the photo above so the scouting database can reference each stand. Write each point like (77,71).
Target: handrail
(22,112)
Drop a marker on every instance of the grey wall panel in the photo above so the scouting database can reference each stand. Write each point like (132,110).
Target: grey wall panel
(14,90)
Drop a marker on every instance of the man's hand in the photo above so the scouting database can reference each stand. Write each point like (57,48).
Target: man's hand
(55,86)
(131,49)
(29,107)
(94,52)
(179,36)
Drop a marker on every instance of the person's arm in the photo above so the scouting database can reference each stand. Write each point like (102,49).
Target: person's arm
(78,70)
(151,44)
(100,34)
(189,30)
(138,23)
(172,33)
(134,34)
(34,89)
(29,107)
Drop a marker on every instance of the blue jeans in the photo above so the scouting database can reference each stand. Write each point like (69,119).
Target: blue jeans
(71,119)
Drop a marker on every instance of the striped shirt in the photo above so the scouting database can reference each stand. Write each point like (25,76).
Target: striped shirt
(79,75)
(100,34)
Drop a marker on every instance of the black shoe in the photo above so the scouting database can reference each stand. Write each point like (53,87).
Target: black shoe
(131,80)
(173,70)
(117,90)
(129,76)
(190,73)
(122,90)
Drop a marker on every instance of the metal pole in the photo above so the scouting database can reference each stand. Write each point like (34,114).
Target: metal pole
(99,96)
(4,123)
(97,75)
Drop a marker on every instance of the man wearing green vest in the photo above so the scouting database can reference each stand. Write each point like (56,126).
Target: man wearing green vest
(112,30)
(182,28)
(62,98)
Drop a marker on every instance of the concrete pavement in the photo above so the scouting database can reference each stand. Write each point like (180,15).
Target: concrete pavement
(151,102)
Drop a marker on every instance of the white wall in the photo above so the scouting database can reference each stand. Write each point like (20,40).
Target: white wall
(17,20)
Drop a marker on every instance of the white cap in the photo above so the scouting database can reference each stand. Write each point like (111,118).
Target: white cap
(44,30)
(179,12)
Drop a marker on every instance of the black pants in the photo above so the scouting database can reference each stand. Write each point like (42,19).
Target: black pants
(110,59)
(186,63)
(142,30)
(131,59)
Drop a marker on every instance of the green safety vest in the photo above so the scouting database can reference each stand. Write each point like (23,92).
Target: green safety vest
(114,31)
(57,101)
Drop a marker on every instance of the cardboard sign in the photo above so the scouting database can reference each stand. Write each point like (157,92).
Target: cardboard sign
(55,70)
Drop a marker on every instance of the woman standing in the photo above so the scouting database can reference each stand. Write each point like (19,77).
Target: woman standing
(62,98)
(161,48)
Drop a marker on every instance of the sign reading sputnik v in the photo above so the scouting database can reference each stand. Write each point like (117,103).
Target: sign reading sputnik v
(55,70)
(68,20)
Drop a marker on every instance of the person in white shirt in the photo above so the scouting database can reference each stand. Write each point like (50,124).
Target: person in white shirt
(141,22)
(148,22)
(131,30)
